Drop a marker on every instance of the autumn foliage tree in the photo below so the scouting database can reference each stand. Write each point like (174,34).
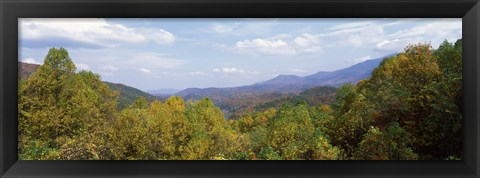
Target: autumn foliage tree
(58,106)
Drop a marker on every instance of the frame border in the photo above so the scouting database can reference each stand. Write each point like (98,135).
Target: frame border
(11,10)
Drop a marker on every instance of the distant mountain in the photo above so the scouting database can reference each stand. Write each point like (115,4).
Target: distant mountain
(335,78)
(289,83)
(127,96)
(162,92)
(348,75)
(25,70)
(283,80)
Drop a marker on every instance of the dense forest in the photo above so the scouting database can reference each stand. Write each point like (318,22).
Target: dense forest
(409,109)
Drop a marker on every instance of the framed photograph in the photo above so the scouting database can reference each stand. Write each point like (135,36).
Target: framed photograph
(239,88)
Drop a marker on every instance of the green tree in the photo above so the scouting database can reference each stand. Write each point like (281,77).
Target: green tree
(353,115)
(55,104)
(421,90)
(140,103)
(290,131)
(212,135)
(392,144)
(321,149)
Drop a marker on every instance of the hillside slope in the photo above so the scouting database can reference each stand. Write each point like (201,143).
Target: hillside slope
(127,96)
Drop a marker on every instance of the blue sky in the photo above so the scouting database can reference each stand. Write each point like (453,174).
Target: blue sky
(182,53)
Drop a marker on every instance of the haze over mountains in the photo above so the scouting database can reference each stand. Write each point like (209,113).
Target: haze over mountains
(164,91)
(291,83)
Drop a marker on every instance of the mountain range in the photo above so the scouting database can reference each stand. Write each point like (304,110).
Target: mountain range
(335,78)
(290,83)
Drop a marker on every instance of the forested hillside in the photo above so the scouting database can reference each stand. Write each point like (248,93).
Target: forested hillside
(410,108)
(127,94)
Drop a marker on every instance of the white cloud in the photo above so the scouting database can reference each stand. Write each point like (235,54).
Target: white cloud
(302,44)
(437,28)
(362,59)
(196,73)
(306,40)
(232,70)
(109,68)
(281,36)
(82,67)
(30,61)
(358,36)
(434,33)
(145,70)
(371,33)
(390,45)
(307,43)
(342,32)
(264,47)
(350,25)
(179,74)
(261,43)
(160,36)
(85,33)
(167,74)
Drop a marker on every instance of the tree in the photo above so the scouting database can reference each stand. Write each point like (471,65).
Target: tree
(140,103)
(353,115)
(321,149)
(290,131)
(420,89)
(246,123)
(392,144)
(210,132)
(54,102)
(58,108)
(439,134)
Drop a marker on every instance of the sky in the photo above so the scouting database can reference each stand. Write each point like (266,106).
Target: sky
(177,53)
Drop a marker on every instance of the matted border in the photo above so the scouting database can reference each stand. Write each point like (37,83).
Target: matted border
(11,10)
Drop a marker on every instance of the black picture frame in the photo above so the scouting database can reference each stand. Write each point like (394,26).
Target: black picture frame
(10,11)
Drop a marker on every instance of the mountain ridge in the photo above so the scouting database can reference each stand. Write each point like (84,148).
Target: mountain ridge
(294,83)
